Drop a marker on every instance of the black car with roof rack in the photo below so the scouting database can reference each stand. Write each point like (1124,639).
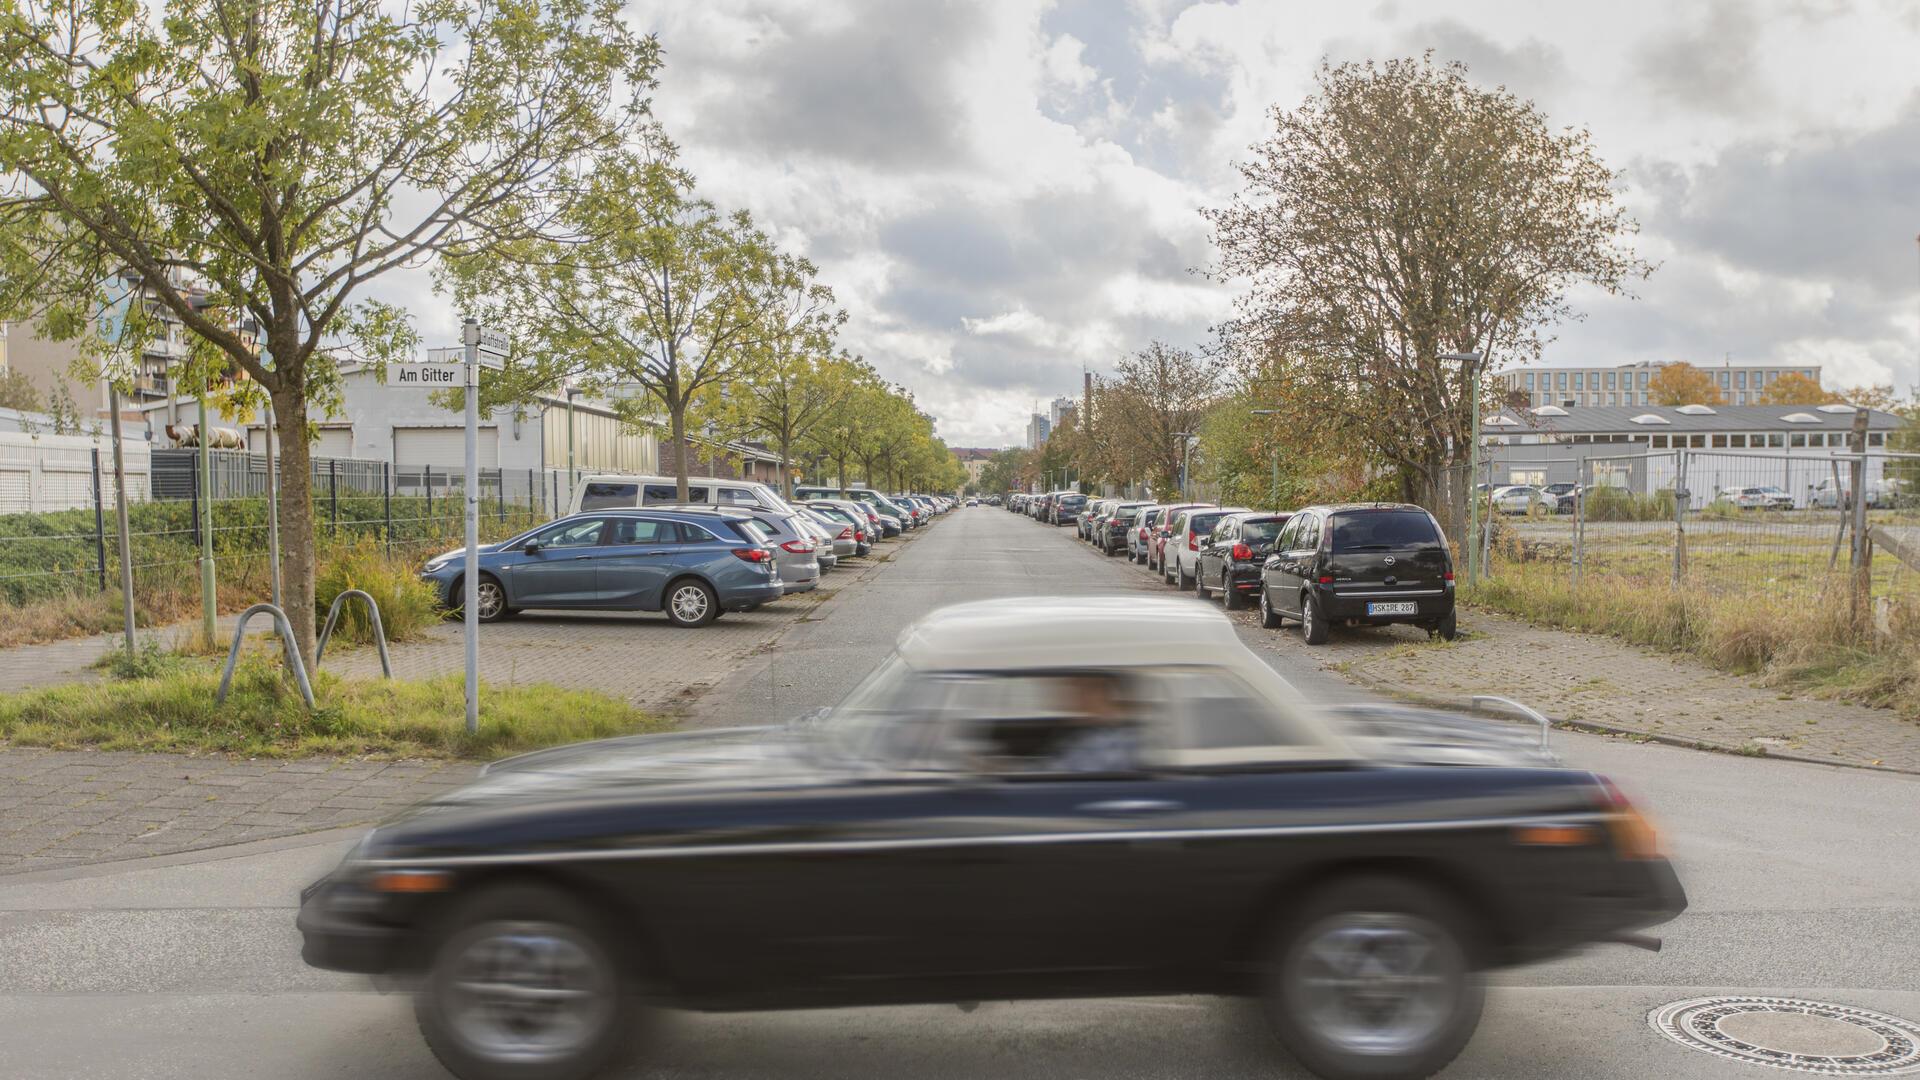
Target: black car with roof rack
(1360,564)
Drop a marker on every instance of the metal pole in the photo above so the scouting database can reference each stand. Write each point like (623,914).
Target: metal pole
(1681,496)
(1486,535)
(273,507)
(204,522)
(333,494)
(99,522)
(120,513)
(386,504)
(470,604)
(1860,557)
(1473,472)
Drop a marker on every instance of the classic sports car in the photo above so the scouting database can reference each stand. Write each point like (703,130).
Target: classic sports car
(1072,797)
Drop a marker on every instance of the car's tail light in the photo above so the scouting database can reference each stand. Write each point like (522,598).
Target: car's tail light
(798,547)
(1634,837)
(1448,575)
(859,535)
(751,554)
(846,534)
(1242,552)
(1326,579)
(1193,541)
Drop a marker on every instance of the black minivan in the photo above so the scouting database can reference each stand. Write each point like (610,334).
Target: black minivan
(1367,563)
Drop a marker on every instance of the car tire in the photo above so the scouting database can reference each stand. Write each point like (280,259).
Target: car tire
(1229,596)
(1270,618)
(1200,584)
(493,599)
(1180,577)
(1363,930)
(1313,621)
(516,938)
(690,602)
(1448,627)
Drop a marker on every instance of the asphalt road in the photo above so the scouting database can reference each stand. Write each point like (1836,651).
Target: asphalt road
(1804,880)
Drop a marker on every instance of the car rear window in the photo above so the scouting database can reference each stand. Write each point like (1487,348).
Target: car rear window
(1261,531)
(1201,523)
(1073,500)
(1383,530)
(603,496)
(1127,513)
(748,531)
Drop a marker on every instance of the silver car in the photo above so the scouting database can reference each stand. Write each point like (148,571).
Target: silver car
(857,517)
(796,552)
(835,535)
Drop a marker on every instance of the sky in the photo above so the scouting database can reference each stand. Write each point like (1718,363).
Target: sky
(1006,192)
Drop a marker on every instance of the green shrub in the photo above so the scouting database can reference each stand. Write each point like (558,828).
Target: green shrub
(1619,504)
(408,605)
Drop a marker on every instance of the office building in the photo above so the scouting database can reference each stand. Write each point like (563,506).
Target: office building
(1625,385)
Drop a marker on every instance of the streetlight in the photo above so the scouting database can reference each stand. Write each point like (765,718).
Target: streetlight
(1474,367)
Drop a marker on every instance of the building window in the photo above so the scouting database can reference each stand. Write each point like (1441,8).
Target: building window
(1876,438)
(1799,439)
(1563,380)
(1579,380)
(1659,442)
(1738,442)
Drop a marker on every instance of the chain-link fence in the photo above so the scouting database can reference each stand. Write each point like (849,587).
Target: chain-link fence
(405,510)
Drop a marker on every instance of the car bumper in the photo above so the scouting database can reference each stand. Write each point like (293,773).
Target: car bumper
(337,938)
(1352,605)
(738,597)
(1638,894)
(1245,578)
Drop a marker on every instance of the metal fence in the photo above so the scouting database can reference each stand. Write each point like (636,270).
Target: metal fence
(403,510)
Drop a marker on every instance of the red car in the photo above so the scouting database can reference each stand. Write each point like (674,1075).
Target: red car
(1157,543)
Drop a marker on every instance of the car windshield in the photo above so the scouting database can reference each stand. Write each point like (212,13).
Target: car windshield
(1382,530)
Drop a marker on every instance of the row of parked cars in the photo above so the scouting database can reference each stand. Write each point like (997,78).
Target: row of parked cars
(1319,566)
(633,543)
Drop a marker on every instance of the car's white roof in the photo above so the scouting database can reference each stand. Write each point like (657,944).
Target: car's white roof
(1068,632)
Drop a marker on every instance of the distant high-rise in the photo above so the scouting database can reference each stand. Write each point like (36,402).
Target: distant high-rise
(1038,429)
(1061,406)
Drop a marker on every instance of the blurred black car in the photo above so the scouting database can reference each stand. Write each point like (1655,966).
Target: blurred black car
(1034,797)
(1362,563)
(1231,556)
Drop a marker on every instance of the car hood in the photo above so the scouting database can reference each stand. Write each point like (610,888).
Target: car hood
(484,549)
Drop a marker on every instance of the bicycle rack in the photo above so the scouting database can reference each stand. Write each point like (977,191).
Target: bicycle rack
(286,640)
(333,616)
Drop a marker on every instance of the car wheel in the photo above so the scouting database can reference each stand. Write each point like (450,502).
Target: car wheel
(1269,618)
(1373,977)
(1180,577)
(1448,627)
(1199,583)
(523,984)
(491,595)
(690,602)
(1230,596)
(1313,622)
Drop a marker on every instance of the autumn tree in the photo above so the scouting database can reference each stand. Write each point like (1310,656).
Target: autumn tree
(1402,213)
(227,158)
(1003,471)
(1683,384)
(1157,393)
(1793,388)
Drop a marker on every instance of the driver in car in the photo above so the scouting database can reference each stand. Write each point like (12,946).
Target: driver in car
(1098,736)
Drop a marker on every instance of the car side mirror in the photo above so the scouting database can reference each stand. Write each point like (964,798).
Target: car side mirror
(532,547)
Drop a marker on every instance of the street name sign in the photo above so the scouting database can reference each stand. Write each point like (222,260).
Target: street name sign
(429,376)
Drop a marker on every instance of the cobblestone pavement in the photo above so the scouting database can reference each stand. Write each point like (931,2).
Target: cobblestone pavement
(66,808)
(1593,681)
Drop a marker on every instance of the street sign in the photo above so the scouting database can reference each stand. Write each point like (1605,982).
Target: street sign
(427,376)
(490,342)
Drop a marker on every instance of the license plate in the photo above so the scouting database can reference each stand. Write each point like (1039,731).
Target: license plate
(1393,607)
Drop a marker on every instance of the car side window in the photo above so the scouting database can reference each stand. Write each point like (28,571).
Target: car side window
(572,534)
(1214,719)
(1079,724)
(601,496)
(736,497)
(641,531)
(661,493)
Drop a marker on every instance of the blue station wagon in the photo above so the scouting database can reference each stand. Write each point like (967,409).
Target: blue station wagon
(691,564)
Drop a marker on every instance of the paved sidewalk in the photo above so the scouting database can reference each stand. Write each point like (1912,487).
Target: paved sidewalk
(1594,681)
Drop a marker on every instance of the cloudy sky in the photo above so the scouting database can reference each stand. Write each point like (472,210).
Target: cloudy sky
(1004,191)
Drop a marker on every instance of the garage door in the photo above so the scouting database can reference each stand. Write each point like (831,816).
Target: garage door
(333,442)
(443,447)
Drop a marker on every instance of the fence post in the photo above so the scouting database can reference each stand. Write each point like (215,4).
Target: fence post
(333,494)
(427,472)
(99,523)
(1579,516)
(530,497)
(500,493)
(193,496)
(1862,554)
(386,504)
(1681,496)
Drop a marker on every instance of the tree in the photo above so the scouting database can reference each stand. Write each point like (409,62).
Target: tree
(1004,471)
(1402,213)
(208,157)
(1160,392)
(644,286)
(1794,388)
(18,392)
(838,438)
(1683,384)
(1879,397)
(796,381)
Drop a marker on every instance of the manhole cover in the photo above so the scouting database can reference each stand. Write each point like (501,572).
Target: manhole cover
(1805,1036)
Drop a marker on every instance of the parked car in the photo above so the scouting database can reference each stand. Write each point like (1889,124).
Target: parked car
(860,520)
(1182,554)
(1116,526)
(1517,499)
(902,520)
(1137,537)
(1068,507)
(1371,563)
(618,492)
(1157,542)
(971,501)
(794,548)
(834,533)
(1231,556)
(1559,498)
(1742,498)
(691,564)
(1356,871)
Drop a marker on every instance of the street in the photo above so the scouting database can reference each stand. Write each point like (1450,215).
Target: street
(1804,880)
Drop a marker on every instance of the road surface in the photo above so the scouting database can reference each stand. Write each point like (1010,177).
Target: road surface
(1804,880)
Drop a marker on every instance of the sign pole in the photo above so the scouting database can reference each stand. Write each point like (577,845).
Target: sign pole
(470,605)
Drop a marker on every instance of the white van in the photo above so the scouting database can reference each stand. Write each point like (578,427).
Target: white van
(617,492)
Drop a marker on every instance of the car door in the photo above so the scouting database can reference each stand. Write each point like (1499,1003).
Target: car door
(1294,562)
(557,567)
(634,562)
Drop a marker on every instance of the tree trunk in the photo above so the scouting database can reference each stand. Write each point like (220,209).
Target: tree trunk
(297,533)
(786,467)
(677,417)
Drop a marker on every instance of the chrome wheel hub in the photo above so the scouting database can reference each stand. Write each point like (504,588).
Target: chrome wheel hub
(491,600)
(526,992)
(689,603)
(1375,982)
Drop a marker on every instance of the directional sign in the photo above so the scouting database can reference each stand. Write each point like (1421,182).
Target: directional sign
(427,376)
(489,341)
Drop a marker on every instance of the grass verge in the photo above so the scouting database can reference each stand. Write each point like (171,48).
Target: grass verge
(1792,643)
(168,706)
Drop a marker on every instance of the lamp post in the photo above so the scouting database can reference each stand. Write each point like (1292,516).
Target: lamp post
(1474,367)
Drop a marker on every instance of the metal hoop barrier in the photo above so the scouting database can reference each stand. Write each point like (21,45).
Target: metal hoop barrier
(333,616)
(286,640)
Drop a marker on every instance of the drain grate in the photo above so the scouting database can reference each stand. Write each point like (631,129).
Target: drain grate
(1787,1033)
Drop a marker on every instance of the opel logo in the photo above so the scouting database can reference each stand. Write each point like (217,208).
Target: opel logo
(1389,560)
